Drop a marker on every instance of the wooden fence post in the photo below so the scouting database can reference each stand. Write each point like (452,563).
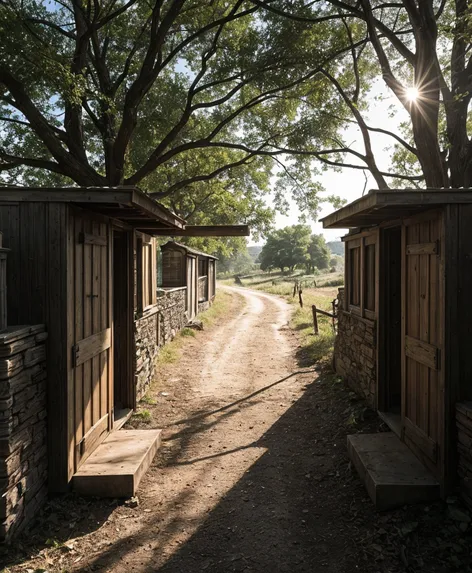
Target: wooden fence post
(315,319)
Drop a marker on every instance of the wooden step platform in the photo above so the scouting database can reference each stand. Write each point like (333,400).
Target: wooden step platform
(392,474)
(116,467)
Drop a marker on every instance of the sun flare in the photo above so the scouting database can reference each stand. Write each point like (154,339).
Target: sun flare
(412,94)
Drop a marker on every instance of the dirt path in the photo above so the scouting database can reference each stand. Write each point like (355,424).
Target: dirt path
(252,474)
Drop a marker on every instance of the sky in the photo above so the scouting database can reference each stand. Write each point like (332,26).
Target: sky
(349,183)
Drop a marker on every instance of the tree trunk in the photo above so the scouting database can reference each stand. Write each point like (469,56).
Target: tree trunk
(425,110)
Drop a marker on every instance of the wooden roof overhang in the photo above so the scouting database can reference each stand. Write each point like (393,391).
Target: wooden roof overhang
(173,245)
(379,206)
(127,204)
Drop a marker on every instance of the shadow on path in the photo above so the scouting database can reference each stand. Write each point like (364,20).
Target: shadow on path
(294,510)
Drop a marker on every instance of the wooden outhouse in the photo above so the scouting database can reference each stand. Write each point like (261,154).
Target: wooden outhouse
(71,268)
(183,266)
(405,325)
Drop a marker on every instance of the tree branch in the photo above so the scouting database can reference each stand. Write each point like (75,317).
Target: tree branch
(369,155)
(158,157)
(73,167)
(53,26)
(12,161)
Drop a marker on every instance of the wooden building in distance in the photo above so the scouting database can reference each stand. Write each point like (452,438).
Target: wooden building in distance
(183,266)
(405,325)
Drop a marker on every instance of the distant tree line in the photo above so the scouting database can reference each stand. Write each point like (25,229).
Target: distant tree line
(292,247)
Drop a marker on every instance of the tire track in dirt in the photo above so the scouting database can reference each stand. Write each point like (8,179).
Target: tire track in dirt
(250,350)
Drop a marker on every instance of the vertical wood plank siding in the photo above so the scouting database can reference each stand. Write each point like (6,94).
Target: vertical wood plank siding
(36,233)
(422,324)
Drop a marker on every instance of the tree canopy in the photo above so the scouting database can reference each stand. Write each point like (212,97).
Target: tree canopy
(202,102)
(318,254)
(286,248)
(421,50)
(169,95)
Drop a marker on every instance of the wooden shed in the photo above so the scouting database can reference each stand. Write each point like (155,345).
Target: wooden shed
(71,267)
(405,327)
(183,266)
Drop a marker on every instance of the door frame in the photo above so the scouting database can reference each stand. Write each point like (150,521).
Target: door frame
(382,400)
(128,357)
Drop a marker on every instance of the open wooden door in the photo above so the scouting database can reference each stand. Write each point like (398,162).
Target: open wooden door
(422,385)
(92,357)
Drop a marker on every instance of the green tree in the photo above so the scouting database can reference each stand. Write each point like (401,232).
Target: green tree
(286,248)
(318,254)
(421,51)
(167,94)
(239,263)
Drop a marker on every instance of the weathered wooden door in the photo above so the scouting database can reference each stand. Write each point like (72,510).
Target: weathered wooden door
(422,392)
(92,358)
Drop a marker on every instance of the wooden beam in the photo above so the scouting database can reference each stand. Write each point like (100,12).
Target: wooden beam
(197,231)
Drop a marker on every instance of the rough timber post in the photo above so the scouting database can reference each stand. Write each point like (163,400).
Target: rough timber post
(3,284)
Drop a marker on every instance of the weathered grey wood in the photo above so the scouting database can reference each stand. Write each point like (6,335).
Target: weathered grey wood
(13,333)
(92,346)
(420,439)
(324,312)
(54,290)
(124,196)
(422,352)
(86,446)
(456,349)
(118,464)
(91,239)
(315,318)
(423,249)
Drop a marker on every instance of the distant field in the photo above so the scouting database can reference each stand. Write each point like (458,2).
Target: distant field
(317,347)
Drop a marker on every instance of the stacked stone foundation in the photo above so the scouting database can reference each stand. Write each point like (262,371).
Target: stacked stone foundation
(23,427)
(157,326)
(355,351)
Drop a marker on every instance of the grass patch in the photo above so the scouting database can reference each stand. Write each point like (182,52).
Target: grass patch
(318,347)
(282,284)
(187,332)
(143,416)
(220,306)
(169,353)
(147,399)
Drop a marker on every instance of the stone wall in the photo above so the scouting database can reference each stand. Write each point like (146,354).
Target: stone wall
(464,449)
(355,352)
(157,326)
(23,430)
(203,306)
